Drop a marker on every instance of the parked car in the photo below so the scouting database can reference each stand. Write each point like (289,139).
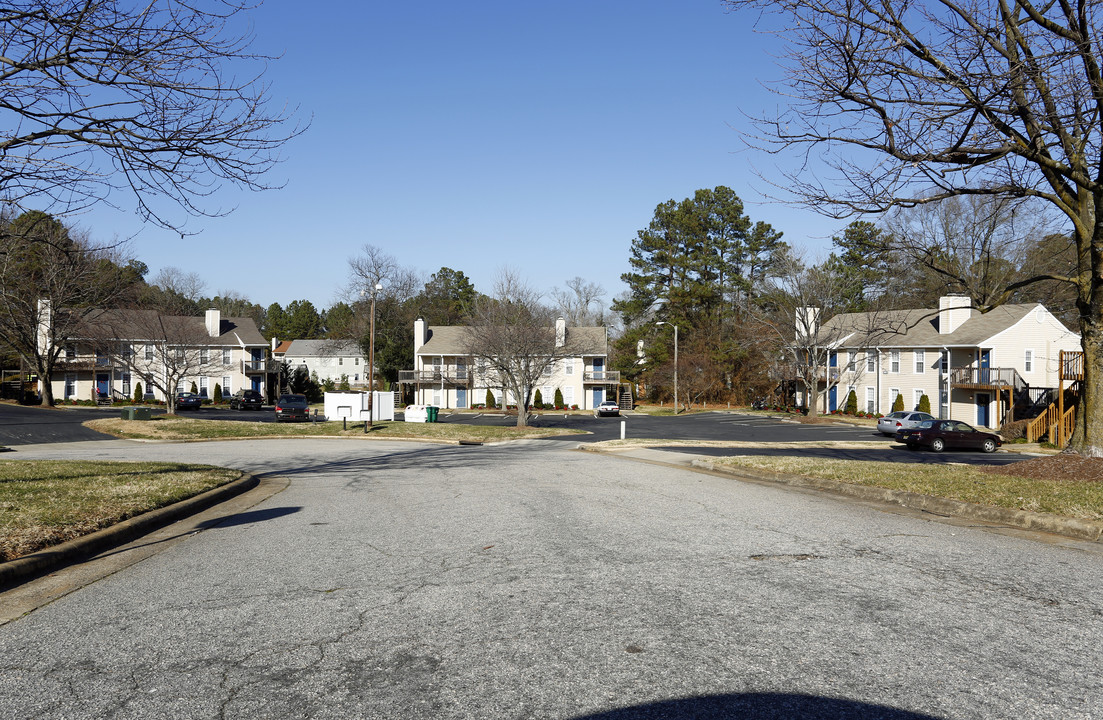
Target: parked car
(188,401)
(292,407)
(609,407)
(246,400)
(941,434)
(900,420)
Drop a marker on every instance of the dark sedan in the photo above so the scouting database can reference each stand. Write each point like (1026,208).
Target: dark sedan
(292,407)
(246,400)
(188,401)
(941,434)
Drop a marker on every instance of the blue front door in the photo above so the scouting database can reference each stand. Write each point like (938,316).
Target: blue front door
(985,363)
(599,396)
(461,397)
(983,401)
(833,398)
(103,384)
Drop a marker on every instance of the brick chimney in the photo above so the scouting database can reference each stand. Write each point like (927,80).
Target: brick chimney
(214,322)
(953,311)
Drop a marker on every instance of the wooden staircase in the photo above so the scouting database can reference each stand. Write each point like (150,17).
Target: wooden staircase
(1058,421)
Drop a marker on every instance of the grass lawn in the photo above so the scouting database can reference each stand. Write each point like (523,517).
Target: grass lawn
(970,483)
(167,427)
(46,502)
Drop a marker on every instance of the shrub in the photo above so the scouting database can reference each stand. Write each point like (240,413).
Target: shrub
(851,403)
(924,404)
(138,396)
(194,388)
(490,399)
(898,403)
(1012,431)
(558,398)
(217,392)
(538,399)
(344,386)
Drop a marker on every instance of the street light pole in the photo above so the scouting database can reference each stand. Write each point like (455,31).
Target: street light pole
(663,322)
(371,358)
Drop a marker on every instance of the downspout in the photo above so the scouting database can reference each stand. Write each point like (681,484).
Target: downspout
(949,387)
(877,407)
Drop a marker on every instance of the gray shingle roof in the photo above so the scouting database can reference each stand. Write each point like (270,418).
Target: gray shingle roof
(453,340)
(128,325)
(919,328)
(323,348)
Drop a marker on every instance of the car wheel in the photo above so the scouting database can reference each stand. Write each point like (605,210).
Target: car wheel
(938,445)
(989,446)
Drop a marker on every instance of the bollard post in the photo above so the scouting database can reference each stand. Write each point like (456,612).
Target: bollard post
(344,424)
(622,429)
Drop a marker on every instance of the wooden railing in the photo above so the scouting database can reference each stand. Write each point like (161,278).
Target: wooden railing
(1058,427)
(986,377)
(1072,365)
(448,374)
(612,377)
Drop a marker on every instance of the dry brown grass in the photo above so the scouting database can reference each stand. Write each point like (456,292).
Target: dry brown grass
(46,502)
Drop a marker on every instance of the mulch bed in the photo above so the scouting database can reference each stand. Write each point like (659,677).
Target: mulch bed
(1065,466)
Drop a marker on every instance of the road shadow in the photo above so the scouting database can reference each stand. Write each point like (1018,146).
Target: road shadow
(889,454)
(248,518)
(759,706)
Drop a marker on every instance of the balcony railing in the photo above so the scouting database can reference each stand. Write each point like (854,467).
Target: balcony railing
(986,377)
(257,367)
(608,377)
(445,373)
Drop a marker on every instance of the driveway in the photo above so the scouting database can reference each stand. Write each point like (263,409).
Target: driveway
(398,580)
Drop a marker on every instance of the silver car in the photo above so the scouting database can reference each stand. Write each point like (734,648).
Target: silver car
(901,420)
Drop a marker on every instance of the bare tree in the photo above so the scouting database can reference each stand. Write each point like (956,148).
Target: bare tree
(909,103)
(152,98)
(796,307)
(160,351)
(49,282)
(581,303)
(173,280)
(513,334)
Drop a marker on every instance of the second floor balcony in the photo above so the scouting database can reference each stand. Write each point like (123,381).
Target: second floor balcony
(258,367)
(601,377)
(447,374)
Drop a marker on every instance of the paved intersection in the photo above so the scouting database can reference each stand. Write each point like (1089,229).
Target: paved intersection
(530,580)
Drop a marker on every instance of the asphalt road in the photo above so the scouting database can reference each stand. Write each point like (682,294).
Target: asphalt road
(399,580)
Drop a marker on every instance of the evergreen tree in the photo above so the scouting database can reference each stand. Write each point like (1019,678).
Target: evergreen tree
(851,403)
(558,398)
(924,404)
(898,403)
(138,396)
(490,399)
(538,399)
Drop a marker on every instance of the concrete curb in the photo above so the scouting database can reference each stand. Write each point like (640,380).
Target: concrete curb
(20,569)
(1023,519)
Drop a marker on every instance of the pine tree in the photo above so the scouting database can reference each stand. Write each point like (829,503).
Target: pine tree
(558,398)
(898,403)
(538,399)
(925,404)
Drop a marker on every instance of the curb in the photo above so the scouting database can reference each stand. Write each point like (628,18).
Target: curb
(1022,519)
(22,568)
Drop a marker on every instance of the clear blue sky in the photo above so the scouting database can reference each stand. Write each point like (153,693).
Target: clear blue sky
(475,135)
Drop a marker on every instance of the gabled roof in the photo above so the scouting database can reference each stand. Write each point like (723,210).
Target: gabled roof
(324,348)
(139,326)
(454,340)
(919,328)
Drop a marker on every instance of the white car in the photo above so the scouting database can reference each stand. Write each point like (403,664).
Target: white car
(609,407)
(901,420)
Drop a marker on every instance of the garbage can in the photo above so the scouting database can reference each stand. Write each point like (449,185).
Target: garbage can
(431,411)
(128,413)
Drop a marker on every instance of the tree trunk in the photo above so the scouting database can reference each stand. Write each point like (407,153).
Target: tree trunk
(1088,436)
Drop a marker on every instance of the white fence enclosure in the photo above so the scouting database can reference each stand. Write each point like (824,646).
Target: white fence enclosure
(354,406)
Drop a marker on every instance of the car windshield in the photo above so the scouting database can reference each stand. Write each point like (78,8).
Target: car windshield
(292,399)
(926,424)
(896,415)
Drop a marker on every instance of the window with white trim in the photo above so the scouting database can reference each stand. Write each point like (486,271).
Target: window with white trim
(893,394)
(568,396)
(126,384)
(149,353)
(203,387)
(568,367)
(70,385)
(894,361)
(920,362)
(871,362)
(918,397)
(871,399)
(226,356)
(204,355)
(226,389)
(944,362)
(1028,361)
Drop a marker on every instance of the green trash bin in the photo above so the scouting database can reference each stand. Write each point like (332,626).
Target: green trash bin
(431,413)
(128,413)
(141,413)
